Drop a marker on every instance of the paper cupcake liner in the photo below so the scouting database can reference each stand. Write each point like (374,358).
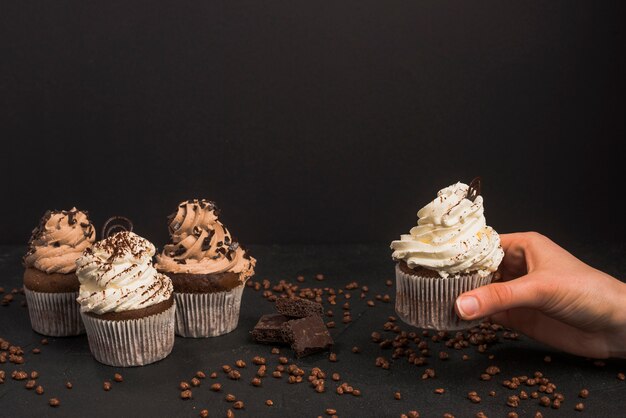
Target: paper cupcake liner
(54,314)
(131,342)
(428,302)
(207,314)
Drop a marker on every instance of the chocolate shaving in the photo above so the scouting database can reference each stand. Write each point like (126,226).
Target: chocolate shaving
(206,242)
(180,250)
(71,218)
(116,224)
(473,191)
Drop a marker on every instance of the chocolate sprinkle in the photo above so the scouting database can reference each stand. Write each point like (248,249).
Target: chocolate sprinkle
(116,224)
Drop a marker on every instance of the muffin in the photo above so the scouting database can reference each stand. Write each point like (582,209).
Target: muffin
(208,270)
(50,281)
(126,305)
(449,252)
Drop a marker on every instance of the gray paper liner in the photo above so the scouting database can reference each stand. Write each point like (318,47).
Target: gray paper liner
(207,314)
(131,342)
(428,302)
(54,314)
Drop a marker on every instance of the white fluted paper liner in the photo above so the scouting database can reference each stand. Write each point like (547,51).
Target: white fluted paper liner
(428,302)
(54,314)
(207,314)
(131,342)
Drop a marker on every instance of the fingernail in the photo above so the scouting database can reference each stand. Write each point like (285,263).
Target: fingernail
(467,306)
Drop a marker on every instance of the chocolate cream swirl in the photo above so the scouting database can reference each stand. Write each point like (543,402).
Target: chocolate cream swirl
(201,244)
(117,274)
(58,240)
(451,236)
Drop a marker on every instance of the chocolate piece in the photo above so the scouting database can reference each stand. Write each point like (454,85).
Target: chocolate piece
(116,224)
(298,308)
(308,335)
(269,329)
(473,191)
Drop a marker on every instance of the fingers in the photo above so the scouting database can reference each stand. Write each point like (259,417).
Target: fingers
(527,291)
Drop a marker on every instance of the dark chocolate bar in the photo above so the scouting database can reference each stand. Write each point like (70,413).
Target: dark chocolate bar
(269,329)
(307,335)
(298,308)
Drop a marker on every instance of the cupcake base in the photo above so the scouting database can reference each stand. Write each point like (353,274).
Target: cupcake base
(200,315)
(428,302)
(54,314)
(131,342)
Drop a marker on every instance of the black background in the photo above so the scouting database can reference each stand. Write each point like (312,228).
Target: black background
(313,122)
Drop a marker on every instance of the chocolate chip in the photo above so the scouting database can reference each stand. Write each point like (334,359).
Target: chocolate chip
(106,386)
(579,406)
(397,396)
(216,387)
(583,393)
(255,381)
(195,382)
(332,357)
(213,375)
(230,414)
(269,402)
(200,374)
(331,411)
(439,391)
(118,377)
(204,413)
(68,385)
(544,401)
(36,351)
(513,401)
(185,394)
(230,398)
(240,363)
(39,390)
(238,405)
(621,376)
(512,415)
(184,386)
(30,384)
(54,402)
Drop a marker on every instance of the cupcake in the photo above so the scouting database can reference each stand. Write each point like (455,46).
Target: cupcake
(50,281)
(449,252)
(208,270)
(126,305)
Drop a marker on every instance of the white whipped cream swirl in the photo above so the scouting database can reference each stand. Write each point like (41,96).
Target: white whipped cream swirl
(451,236)
(117,274)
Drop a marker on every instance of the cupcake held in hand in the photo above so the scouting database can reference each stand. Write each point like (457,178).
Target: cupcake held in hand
(127,306)
(208,270)
(449,252)
(50,281)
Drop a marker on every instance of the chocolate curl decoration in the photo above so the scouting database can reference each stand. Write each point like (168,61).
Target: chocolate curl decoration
(474,189)
(116,224)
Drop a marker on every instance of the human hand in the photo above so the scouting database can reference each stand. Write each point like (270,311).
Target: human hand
(553,297)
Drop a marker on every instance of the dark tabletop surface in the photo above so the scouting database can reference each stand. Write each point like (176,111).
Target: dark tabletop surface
(153,390)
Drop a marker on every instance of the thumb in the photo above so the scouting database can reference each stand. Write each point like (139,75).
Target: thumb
(483,301)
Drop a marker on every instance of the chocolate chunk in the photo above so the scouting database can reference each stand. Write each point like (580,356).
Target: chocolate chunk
(308,335)
(269,329)
(298,308)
